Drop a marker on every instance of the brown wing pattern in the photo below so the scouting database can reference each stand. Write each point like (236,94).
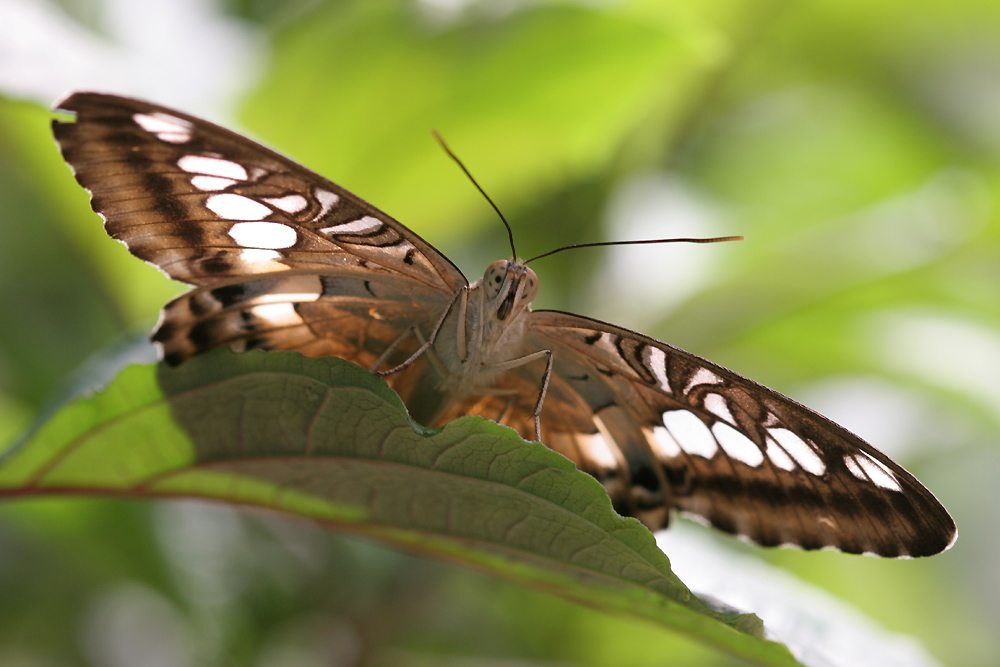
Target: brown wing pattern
(281,257)
(204,204)
(696,437)
(354,317)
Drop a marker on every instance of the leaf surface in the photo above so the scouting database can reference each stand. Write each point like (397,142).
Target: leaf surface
(322,439)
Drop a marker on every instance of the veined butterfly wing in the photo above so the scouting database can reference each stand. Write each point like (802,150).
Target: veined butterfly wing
(191,198)
(282,258)
(689,434)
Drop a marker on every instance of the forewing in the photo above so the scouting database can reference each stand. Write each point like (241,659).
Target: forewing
(726,449)
(205,204)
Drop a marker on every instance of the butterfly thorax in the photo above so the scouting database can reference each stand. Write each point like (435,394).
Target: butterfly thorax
(484,330)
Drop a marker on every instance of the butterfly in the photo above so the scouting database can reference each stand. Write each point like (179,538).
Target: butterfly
(281,258)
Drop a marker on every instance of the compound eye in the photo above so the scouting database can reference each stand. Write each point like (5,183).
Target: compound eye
(494,277)
(530,290)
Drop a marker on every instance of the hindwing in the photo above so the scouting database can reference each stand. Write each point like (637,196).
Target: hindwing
(664,429)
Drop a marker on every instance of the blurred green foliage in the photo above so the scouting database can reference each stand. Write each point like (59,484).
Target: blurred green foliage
(854,144)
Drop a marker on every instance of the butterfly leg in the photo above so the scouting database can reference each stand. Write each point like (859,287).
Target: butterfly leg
(506,408)
(427,344)
(431,355)
(521,361)
(410,331)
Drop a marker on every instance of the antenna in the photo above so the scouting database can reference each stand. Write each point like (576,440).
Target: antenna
(510,232)
(717,239)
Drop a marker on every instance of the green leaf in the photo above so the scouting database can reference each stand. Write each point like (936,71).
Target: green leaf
(533,99)
(325,440)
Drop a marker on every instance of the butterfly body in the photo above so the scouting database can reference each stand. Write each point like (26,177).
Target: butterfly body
(482,335)
(280,258)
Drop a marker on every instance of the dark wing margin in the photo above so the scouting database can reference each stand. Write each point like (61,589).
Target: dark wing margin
(205,204)
(730,451)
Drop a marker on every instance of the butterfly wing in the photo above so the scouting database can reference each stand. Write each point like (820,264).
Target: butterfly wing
(664,429)
(281,257)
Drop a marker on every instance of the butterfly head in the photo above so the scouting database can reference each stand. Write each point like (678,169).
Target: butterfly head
(510,287)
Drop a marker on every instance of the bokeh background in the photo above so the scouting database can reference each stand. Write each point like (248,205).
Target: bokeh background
(856,145)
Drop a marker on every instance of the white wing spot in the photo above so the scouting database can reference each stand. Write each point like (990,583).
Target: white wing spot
(868,469)
(663,445)
(702,376)
(238,207)
(292,203)
(656,362)
(690,433)
(212,166)
(278,314)
(174,137)
(797,448)
(269,235)
(716,404)
(737,445)
(596,448)
(359,226)
(778,456)
(257,255)
(327,200)
(167,128)
(291,297)
(211,183)
(294,289)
